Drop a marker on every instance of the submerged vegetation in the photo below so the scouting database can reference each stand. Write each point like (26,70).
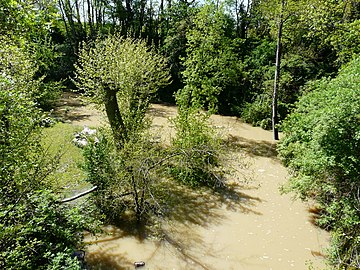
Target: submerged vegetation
(205,56)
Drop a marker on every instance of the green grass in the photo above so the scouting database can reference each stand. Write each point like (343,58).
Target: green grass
(68,178)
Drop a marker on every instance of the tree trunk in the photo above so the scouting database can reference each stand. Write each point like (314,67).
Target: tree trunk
(114,117)
(277,75)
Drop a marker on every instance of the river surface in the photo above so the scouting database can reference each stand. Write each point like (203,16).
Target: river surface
(252,227)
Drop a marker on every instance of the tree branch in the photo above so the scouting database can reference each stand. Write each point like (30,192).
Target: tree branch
(79,195)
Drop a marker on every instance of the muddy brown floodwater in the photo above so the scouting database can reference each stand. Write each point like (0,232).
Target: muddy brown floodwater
(257,228)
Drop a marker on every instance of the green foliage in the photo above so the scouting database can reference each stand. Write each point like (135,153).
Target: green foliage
(126,178)
(34,230)
(346,41)
(321,147)
(24,18)
(211,65)
(122,74)
(178,21)
(19,67)
(31,24)
(333,24)
(19,140)
(37,232)
(259,80)
(258,113)
(199,150)
(126,66)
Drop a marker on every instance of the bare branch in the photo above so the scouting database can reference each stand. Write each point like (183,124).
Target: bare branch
(79,195)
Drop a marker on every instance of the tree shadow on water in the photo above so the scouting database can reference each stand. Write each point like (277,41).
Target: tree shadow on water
(204,206)
(179,211)
(251,147)
(107,259)
(185,209)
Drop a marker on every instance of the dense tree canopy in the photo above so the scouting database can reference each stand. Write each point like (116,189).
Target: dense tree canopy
(222,58)
(123,75)
(35,231)
(322,147)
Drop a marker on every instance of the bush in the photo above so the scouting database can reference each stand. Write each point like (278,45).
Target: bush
(35,231)
(199,150)
(258,113)
(126,177)
(321,147)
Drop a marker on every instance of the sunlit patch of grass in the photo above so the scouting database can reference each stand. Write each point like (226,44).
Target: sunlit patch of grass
(68,177)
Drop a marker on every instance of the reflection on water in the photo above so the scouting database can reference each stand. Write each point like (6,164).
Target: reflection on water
(231,230)
(247,226)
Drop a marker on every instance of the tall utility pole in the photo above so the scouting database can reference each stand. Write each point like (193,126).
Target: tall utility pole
(277,74)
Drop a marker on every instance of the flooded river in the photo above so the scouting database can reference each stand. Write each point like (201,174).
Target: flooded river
(251,227)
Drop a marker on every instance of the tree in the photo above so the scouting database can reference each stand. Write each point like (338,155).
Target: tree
(122,75)
(177,22)
(321,147)
(36,232)
(211,65)
(281,11)
(333,25)
(277,72)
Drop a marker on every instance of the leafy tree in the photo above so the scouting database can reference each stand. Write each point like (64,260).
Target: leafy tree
(199,153)
(21,67)
(332,25)
(31,23)
(321,147)
(122,75)
(210,69)
(211,65)
(281,11)
(35,230)
(177,20)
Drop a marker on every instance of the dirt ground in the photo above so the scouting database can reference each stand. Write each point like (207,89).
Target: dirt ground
(259,229)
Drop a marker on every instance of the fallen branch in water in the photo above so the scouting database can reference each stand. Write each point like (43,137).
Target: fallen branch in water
(87,192)
(79,195)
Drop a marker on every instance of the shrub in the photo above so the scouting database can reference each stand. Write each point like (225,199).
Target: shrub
(321,147)
(34,228)
(199,150)
(126,177)
(37,232)
(258,113)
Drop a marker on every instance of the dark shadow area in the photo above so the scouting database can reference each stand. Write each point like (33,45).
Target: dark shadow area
(66,116)
(159,112)
(199,207)
(251,147)
(185,205)
(65,108)
(202,207)
(70,99)
(315,214)
(183,249)
(105,260)
(237,200)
